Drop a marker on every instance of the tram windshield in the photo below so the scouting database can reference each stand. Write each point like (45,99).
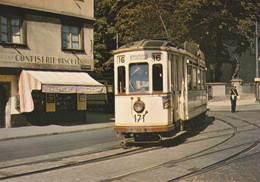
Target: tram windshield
(138,77)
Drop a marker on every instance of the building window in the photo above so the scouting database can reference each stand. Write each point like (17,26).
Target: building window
(71,37)
(11,30)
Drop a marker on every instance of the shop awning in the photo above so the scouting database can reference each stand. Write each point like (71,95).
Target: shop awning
(55,82)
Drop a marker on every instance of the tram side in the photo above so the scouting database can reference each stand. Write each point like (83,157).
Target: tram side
(196,86)
(188,78)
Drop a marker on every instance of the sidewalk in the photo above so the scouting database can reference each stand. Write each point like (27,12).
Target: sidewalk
(97,121)
(30,131)
(94,121)
(242,105)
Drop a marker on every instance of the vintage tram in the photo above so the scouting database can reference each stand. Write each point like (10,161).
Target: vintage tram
(158,88)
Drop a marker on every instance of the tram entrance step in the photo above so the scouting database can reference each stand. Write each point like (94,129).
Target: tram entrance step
(177,134)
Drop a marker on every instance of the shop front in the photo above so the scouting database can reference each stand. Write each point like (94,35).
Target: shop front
(55,96)
(46,53)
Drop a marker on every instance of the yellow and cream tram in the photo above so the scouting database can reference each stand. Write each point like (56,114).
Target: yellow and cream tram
(158,87)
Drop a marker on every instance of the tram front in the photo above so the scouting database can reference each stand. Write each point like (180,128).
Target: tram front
(142,97)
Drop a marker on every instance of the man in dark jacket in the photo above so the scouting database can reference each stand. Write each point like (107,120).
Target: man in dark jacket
(233,98)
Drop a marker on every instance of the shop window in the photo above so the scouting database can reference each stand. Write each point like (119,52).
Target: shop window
(39,100)
(157,77)
(121,79)
(71,37)
(12,30)
(66,101)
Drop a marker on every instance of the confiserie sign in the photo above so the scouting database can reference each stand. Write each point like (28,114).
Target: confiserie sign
(36,61)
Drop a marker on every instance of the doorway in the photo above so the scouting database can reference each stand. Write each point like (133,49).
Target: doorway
(4,106)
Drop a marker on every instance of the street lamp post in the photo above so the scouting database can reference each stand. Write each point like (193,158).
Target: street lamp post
(257,79)
(256,50)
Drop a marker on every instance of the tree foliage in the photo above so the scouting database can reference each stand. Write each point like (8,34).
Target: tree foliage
(217,25)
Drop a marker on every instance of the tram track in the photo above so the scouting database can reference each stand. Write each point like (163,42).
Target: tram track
(223,162)
(59,158)
(53,159)
(196,155)
(217,164)
(71,163)
(248,122)
(129,152)
(182,159)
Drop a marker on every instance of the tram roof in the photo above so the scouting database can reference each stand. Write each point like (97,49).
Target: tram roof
(158,44)
(147,43)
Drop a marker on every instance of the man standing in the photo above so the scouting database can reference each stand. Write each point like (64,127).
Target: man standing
(233,98)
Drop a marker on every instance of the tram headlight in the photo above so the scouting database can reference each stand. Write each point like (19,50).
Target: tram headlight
(139,106)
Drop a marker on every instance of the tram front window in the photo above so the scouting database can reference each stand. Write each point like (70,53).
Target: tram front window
(139,77)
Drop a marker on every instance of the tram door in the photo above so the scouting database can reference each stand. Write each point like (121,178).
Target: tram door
(177,86)
(174,86)
(4,97)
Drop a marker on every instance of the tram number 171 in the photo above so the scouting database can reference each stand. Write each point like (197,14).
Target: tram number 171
(139,118)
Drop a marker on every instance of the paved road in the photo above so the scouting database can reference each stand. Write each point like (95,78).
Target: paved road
(226,134)
(245,167)
(27,147)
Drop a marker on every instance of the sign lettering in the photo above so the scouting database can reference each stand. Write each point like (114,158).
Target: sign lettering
(120,59)
(73,89)
(47,60)
(11,59)
(139,118)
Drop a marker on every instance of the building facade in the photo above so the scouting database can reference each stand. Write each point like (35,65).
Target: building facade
(46,50)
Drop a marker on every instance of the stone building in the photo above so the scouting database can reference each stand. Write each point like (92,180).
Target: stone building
(46,50)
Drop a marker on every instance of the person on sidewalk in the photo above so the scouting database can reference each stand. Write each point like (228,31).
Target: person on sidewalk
(234,96)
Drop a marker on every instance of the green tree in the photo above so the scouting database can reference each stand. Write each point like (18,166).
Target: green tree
(217,25)
(104,33)
(149,19)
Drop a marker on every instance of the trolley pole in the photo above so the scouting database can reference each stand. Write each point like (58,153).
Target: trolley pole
(117,41)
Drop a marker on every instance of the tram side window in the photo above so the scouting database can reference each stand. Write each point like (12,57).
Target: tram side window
(157,77)
(189,69)
(177,73)
(199,79)
(203,79)
(194,78)
(121,79)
